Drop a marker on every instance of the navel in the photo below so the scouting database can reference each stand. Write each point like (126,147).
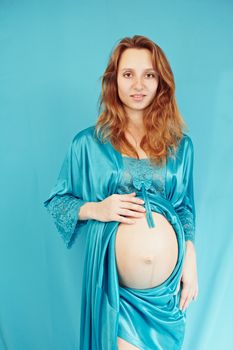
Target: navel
(148,259)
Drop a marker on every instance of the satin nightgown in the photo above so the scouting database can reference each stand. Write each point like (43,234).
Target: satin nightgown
(91,171)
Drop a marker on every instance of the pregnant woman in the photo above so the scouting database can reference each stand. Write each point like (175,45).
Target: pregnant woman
(127,184)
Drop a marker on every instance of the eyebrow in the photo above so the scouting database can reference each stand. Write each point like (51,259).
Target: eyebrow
(133,69)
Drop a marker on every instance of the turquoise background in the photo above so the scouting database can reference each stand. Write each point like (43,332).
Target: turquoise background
(52,56)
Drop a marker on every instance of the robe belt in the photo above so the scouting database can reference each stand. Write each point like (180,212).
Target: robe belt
(149,217)
(144,186)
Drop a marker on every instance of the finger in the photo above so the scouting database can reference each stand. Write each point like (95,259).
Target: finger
(131,198)
(184,295)
(195,296)
(182,301)
(132,213)
(187,302)
(136,207)
(124,220)
(188,299)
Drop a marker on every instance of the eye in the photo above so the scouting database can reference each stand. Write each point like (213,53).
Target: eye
(126,74)
(153,75)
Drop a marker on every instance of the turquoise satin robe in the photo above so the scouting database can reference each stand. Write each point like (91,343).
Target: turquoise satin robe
(90,172)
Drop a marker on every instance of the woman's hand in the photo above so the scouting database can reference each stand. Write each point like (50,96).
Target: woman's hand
(189,277)
(117,206)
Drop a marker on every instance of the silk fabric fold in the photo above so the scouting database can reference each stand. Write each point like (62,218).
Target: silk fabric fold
(151,318)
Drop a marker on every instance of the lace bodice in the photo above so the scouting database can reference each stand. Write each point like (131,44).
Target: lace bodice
(142,175)
(139,172)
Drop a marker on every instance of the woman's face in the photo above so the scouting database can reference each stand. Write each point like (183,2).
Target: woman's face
(137,81)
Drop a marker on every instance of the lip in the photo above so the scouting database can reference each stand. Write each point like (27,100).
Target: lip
(138,97)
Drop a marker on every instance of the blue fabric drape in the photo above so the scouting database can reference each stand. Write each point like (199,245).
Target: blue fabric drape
(90,172)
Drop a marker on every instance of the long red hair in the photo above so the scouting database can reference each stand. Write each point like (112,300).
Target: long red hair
(162,120)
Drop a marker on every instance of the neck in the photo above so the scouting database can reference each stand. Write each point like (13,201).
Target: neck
(135,119)
(136,129)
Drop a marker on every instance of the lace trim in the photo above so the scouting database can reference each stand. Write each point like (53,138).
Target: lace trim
(65,209)
(140,171)
(142,175)
(188,222)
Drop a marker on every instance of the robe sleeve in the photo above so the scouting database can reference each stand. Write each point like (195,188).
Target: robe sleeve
(65,199)
(185,206)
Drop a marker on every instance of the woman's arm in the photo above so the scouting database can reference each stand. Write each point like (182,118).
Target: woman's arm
(87,211)
(185,206)
(187,215)
(66,197)
(189,277)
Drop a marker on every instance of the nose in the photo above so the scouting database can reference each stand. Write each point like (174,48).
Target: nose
(138,84)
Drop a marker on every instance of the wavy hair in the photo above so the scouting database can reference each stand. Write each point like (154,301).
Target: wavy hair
(162,120)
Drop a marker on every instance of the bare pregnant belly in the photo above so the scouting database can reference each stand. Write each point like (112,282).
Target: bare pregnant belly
(145,256)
